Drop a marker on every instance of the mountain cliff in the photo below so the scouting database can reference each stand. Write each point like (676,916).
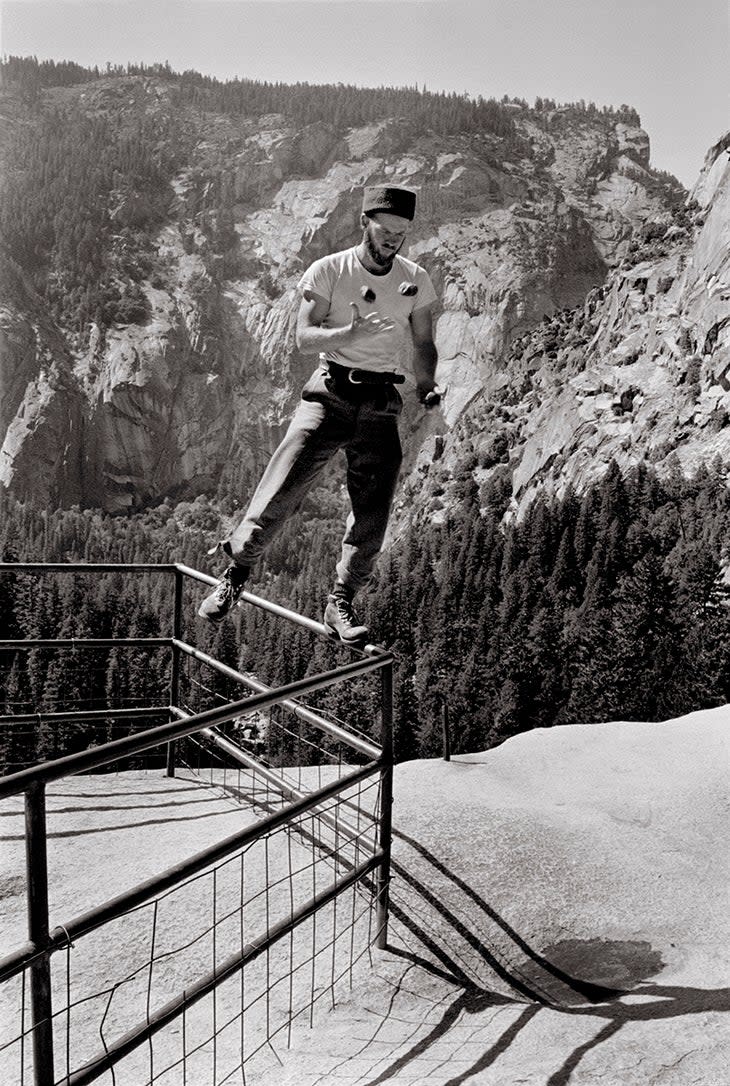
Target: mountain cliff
(582,304)
(640,371)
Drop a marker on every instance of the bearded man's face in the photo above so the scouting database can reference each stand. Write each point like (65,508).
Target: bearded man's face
(384,236)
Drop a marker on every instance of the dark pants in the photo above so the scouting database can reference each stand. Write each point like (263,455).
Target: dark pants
(333,414)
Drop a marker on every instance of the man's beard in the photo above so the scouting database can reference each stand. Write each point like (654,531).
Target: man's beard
(385,260)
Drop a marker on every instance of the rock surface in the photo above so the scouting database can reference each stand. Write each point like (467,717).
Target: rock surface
(565,857)
(511,232)
(560,915)
(639,372)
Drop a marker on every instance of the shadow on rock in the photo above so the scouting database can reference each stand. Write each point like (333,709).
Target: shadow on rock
(604,979)
(477,936)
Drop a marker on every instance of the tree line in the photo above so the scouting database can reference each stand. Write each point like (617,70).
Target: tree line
(304,101)
(611,604)
(77,202)
(83,190)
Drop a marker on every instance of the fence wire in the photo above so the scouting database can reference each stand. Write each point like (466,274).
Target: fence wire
(162,947)
(290,757)
(75,680)
(257,903)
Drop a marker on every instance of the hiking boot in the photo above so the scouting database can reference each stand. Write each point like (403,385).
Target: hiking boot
(341,621)
(225,595)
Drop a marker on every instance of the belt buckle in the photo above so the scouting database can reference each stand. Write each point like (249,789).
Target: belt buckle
(353,379)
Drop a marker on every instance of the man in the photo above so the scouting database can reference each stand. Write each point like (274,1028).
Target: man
(359,308)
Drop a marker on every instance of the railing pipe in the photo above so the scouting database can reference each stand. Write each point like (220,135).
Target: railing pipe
(175,663)
(86,714)
(17,961)
(386,804)
(301,711)
(134,744)
(257,601)
(276,609)
(86,643)
(40,967)
(88,567)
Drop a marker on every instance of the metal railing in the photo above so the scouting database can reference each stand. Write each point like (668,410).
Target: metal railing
(35,956)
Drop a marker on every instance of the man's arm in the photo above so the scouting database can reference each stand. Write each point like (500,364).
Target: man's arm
(425,355)
(312,338)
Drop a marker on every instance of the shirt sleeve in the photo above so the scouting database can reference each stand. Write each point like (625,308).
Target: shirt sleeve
(318,279)
(426,292)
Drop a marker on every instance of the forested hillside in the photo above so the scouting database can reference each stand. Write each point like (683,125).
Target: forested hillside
(607,605)
(87,254)
(559,543)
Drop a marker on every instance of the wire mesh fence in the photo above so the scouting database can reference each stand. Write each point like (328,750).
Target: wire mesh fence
(290,749)
(236,921)
(64,699)
(197,973)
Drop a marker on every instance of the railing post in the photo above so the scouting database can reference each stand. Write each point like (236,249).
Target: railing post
(175,665)
(40,970)
(446,732)
(386,803)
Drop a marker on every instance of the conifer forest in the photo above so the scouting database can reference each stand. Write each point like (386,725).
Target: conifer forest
(605,605)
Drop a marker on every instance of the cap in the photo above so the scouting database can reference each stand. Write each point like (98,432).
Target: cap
(390,198)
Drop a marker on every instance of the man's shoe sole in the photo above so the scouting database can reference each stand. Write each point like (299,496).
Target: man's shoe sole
(335,636)
(216,619)
(211,618)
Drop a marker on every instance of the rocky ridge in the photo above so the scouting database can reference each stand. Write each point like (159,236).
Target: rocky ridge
(639,372)
(516,235)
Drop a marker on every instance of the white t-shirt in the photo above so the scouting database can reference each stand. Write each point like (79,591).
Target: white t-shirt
(341,279)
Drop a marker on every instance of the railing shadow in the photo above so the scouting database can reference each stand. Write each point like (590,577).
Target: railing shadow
(117,827)
(671,1002)
(533,982)
(466,1003)
(546,979)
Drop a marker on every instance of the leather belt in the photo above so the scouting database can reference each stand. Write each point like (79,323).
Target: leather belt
(364,377)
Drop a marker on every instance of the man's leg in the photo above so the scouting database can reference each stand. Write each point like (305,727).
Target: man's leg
(319,427)
(373,465)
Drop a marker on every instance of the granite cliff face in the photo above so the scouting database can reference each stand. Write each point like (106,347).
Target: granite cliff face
(546,321)
(41,406)
(639,372)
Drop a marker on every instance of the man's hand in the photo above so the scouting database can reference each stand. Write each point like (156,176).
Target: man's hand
(425,357)
(370,325)
(430,397)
